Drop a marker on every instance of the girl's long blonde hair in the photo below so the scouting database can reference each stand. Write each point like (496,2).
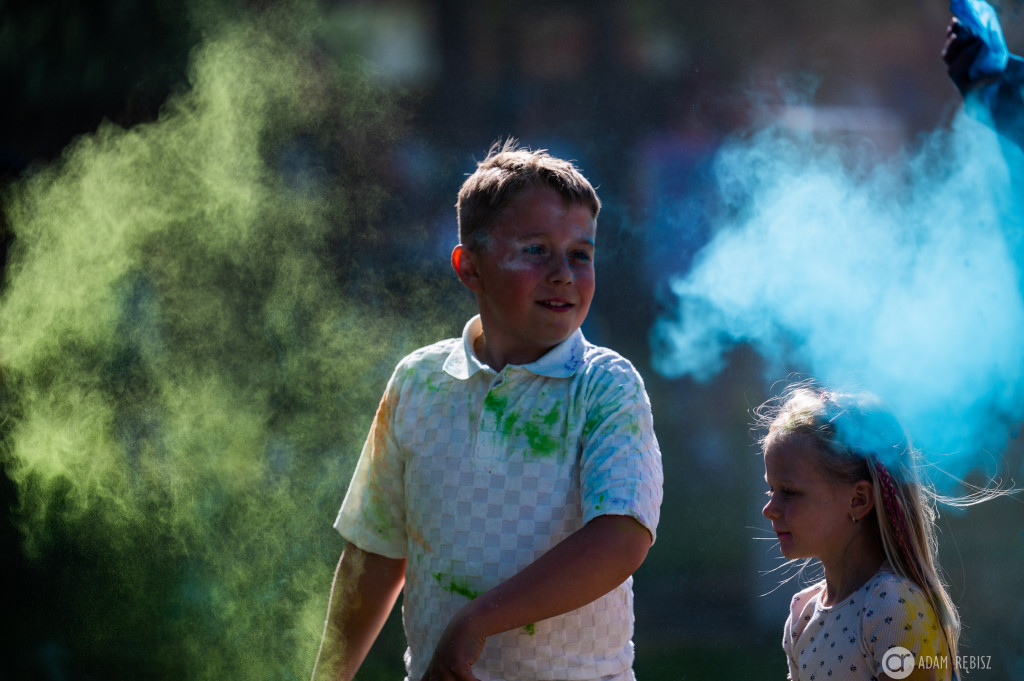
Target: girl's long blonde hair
(859,439)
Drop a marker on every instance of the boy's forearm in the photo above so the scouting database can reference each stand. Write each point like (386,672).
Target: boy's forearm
(366,586)
(585,566)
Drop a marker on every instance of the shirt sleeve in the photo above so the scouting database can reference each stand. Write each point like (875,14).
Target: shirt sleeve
(372,516)
(899,614)
(621,472)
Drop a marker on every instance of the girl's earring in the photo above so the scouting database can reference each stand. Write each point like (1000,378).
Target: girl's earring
(853,518)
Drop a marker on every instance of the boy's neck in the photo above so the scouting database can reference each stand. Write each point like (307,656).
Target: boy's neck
(484,354)
(497,359)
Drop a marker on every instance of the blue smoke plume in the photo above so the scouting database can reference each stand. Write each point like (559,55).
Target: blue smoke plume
(902,278)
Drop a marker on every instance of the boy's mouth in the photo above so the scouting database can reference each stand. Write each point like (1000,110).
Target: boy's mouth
(556,305)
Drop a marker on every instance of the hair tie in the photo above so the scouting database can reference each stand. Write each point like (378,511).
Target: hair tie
(892,505)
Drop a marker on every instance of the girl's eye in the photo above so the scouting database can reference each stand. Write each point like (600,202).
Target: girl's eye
(581,256)
(783,491)
(533,249)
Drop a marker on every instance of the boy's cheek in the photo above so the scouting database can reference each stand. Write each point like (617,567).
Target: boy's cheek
(516,264)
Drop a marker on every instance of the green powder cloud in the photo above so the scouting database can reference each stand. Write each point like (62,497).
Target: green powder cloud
(193,337)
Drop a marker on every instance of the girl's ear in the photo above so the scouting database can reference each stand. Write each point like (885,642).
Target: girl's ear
(862,499)
(465,267)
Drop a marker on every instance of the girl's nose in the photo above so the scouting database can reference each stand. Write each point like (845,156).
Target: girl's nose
(769,511)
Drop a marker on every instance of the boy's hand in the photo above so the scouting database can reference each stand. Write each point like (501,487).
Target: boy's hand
(456,652)
(582,567)
(959,52)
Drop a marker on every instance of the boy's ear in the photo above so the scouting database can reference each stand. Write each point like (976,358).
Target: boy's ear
(465,267)
(863,499)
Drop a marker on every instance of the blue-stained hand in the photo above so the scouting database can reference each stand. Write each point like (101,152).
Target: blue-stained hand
(961,53)
(980,18)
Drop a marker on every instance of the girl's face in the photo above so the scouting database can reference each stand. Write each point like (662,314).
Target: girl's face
(809,512)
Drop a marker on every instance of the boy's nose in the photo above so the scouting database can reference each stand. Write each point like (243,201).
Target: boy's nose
(769,511)
(561,272)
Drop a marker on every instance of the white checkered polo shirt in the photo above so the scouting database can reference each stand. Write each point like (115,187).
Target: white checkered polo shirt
(472,474)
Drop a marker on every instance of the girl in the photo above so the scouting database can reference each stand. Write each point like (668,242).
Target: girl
(843,489)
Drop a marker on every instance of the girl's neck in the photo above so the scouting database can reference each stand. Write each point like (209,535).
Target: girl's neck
(860,562)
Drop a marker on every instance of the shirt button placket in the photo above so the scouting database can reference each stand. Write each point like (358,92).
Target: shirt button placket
(488,441)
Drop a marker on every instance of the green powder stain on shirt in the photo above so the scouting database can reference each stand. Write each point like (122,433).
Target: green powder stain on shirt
(539,431)
(598,416)
(378,517)
(453,587)
(495,404)
(539,434)
(541,442)
(530,629)
(508,426)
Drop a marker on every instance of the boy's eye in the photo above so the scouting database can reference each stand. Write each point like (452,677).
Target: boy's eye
(582,256)
(533,249)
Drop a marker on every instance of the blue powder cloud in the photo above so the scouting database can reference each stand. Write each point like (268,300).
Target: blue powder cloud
(903,278)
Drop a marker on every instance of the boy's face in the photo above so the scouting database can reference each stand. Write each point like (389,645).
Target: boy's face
(533,278)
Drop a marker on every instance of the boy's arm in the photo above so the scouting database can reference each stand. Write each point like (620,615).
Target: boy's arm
(366,586)
(583,567)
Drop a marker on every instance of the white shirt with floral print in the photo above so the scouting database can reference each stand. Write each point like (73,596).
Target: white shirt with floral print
(848,641)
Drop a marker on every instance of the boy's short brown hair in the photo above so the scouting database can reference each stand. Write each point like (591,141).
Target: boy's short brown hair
(504,174)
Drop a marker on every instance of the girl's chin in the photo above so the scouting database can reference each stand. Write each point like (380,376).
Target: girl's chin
(787,548)
(785,541)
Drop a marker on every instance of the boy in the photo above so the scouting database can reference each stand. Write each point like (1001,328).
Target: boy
(511,481)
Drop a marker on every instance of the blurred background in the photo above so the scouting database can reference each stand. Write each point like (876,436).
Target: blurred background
(224,222)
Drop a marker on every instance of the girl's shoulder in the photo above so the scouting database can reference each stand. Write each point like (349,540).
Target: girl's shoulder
(802,608)
(888,587)
(803,602)
(898,613)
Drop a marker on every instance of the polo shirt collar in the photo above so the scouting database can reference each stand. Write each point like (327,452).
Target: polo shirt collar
(561,361)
